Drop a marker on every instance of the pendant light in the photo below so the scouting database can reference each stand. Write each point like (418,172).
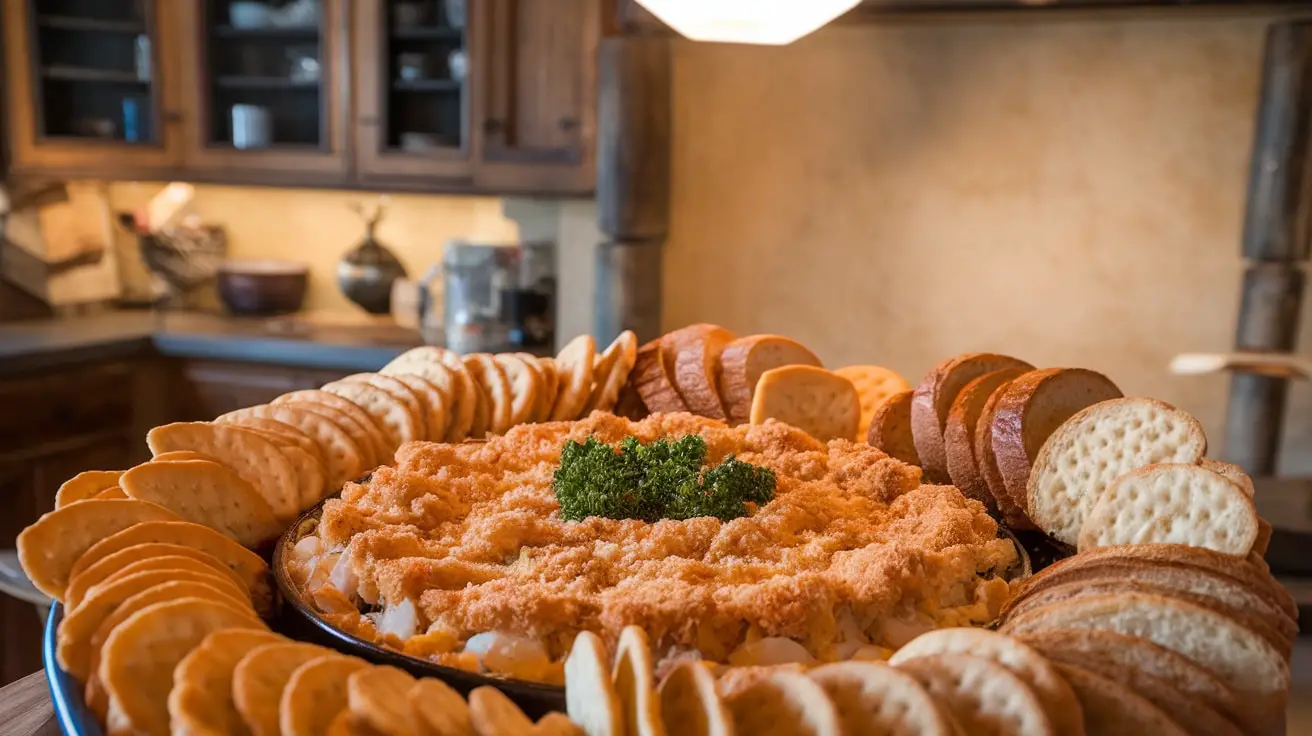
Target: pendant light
(772,22)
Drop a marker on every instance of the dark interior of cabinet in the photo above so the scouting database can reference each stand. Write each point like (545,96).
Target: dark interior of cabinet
(265,78)
(423,45)
(94,62)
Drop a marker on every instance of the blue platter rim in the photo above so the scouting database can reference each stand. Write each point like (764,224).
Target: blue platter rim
(71,711)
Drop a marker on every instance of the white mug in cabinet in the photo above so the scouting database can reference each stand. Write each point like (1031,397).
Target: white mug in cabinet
(251,126)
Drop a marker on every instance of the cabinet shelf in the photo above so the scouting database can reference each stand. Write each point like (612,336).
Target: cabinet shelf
(240,82)
(428,33)
(270,32)
(73,23)
(90,74)
(426,85)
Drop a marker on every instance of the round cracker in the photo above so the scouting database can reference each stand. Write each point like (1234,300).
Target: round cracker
(492,712)
(138,659)
(357,422)
(86,485)
(259,678)
(782,702)
(438,708)
(48,548)
(417,360)
(541,401)
(491,377)
(632,677)
(1113,708)
(435,403)
(206,493)
(261,462)
(142,557)
(690,704)
(399,391)
(874,384)
(1058,701)
(398,422)
(73,640)
(574,369)
(272,425)
(201,699)
(590,698)
(611,372)
(248,566)
(981,694)
(168,457)
(377,699)
(525,387)
(873,697)
(113,493)
(343,457)
(315,694)
(465,394)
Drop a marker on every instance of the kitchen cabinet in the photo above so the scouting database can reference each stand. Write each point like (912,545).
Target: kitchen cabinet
(87,89)
(202,389)
(378,94)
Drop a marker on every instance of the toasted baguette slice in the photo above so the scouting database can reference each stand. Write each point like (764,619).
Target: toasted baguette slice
(959,435)
(696,350)
(874,384)
(1031,409)
(744,360)
(890,428)
(1112,708)
(653,377)
(1170,503)
(1097,446)
(987,463)
(814,400)
(1239,656)
(1233,473)
(933,401)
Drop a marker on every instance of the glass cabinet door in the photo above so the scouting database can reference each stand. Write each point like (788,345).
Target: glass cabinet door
(266,86)
(411,68)
(85,75)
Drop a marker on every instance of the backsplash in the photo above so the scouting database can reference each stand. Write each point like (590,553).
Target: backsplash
(1068,191)
(317,227)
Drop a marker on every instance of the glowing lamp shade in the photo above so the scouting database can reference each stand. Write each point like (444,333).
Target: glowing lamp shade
(774,22)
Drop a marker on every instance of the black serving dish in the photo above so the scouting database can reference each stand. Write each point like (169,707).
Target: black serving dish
(299,620)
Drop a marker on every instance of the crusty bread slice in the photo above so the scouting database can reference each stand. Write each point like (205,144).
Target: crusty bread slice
(1239,656)
(933,401)
(653,378)
(1031,409)
(814,400)
(1172,503)
(1098,445)
(696,350)
(1100,650)
(959,434)
(874,384)
(1232,472)
(744,360)
(890,428)
(987,463)
(1112,708)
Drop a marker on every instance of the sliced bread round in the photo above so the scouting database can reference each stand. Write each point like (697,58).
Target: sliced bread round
(1172,503)
(890,428)
(816,401)
(697,350)
(1030,410)
(959,435)
(933,401)
(653,377)
(987,463)
(1098,445)
(744,360)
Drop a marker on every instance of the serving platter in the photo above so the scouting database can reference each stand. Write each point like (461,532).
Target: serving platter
(71,711)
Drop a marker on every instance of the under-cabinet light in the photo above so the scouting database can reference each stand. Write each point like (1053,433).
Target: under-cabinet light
(773,22)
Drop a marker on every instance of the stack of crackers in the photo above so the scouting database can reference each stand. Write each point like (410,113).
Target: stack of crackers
(707,370)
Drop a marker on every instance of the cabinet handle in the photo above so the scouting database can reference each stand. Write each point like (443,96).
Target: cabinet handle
(493,125)
(568,124)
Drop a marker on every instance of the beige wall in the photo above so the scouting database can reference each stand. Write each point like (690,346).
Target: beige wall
(1070,192)
(317,227)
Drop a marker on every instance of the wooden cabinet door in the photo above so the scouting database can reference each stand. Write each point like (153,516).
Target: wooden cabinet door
(206,389)
(412,106)
(255,104)
(535,85)
(89,90)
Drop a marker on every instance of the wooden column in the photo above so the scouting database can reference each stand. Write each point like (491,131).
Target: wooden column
(633,182)
(1275,244)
